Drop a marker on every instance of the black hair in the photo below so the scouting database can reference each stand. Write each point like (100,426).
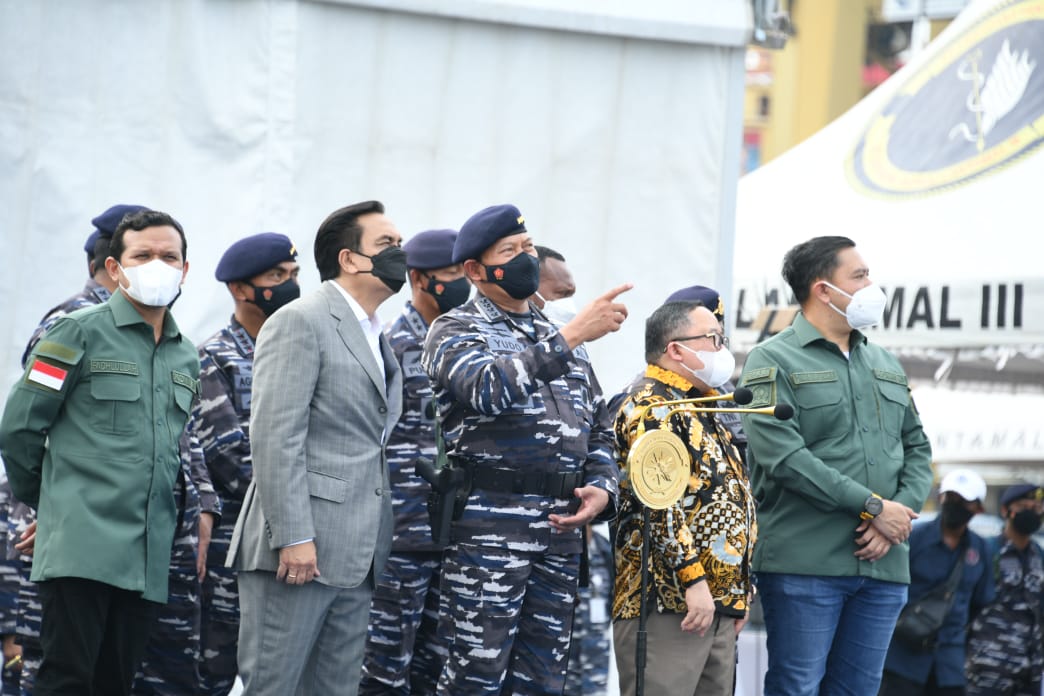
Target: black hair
(665,324)
(96,259)
(810,261)
(136,222)
(340,230)
(544,253)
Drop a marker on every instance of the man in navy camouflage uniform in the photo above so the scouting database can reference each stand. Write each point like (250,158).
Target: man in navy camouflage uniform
(170,666)
(404,654)
(589,651)
(522,412)
(261,274)
(21,520)
(587,672)
(1005,655)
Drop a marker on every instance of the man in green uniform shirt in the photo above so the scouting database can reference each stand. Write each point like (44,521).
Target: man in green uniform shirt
(89,437)
(837,485)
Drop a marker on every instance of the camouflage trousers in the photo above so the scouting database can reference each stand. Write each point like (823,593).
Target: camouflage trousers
(507,617)
(219,631)
(10,572)
(1003,654)
(404,654)
(30,614)
(170,667)
(589,651)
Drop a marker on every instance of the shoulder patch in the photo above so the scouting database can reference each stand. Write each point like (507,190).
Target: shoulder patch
(489,310)
(764,394)
(888,376)
(799,378)
(762,384)
(760,374)
(58,351)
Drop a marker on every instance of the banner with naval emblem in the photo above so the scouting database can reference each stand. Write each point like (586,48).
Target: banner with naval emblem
(935,175)
(975,106)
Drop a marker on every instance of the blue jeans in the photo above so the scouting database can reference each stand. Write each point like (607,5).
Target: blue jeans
(827,636)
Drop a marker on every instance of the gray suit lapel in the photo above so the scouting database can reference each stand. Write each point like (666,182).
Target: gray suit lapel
(351,333)
(390,363)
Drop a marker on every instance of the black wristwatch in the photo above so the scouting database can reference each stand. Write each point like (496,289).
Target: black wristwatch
(872,507)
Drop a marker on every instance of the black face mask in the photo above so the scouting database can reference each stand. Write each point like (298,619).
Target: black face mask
(448,293)
(389,266)
(520,277)
(954,514)
(1025,522)
(269,299)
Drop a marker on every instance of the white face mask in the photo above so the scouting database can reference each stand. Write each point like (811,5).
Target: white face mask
(561,310)
(154,284)
(717,366)
(866,308)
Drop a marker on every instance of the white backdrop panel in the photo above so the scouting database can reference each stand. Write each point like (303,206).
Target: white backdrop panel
(243,116)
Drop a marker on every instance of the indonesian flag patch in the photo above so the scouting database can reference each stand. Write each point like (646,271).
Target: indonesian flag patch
(47,375)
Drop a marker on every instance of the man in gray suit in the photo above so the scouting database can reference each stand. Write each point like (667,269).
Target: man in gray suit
(316,523)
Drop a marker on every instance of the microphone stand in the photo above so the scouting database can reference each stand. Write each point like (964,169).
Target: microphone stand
(641,649)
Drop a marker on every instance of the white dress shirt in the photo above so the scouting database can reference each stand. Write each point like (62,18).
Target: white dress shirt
(371,326)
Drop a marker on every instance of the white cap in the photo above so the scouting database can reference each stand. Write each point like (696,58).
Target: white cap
(965,483)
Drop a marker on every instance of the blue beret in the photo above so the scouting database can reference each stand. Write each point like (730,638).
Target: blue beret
(484,228)
(88,246)
(708,296)
(107,222)
(1017,492)
(254,254)
(430,249)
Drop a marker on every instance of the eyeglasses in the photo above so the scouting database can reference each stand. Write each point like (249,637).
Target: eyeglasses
(720,340)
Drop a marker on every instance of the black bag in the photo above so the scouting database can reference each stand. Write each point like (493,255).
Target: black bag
(919,622)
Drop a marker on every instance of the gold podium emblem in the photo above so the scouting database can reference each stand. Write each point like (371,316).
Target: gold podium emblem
(658,465)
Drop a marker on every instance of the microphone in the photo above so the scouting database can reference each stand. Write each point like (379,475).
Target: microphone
(783,411)
(743,396)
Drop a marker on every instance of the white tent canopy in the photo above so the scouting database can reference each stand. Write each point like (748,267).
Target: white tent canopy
(603,121)
(936,175)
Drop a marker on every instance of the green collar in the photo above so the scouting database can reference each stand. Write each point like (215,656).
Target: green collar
(125,314)
(806,333)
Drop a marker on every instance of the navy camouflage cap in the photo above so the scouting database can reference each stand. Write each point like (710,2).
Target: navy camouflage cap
(254,254)
(430,249)
(484,228)
(708,296)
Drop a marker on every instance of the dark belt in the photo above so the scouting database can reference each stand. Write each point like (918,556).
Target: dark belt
(552,484)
